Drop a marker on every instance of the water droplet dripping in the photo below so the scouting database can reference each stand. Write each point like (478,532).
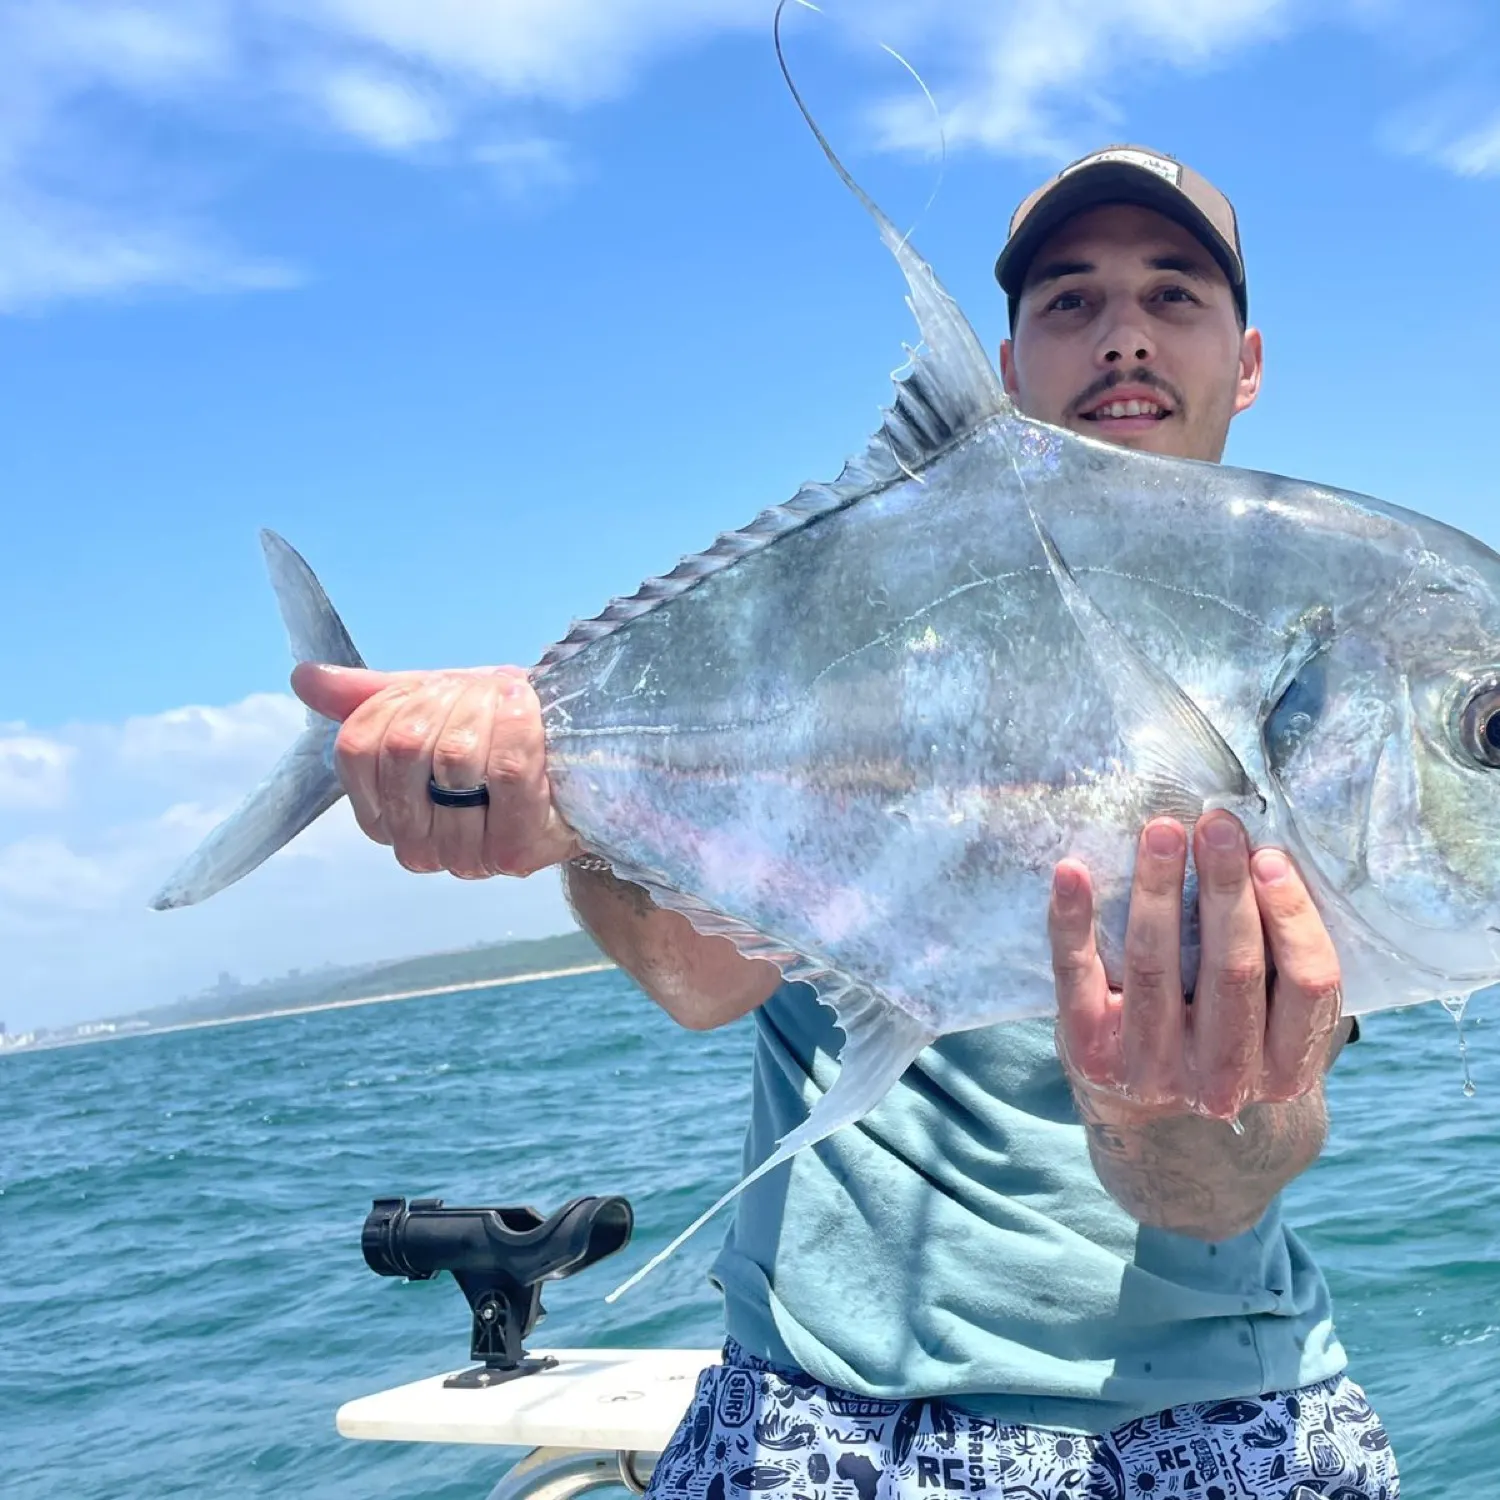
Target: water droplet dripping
(1455,1007)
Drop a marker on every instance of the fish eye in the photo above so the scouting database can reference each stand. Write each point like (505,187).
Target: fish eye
(1481,725)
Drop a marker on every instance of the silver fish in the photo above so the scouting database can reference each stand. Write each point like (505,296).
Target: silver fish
(856,736)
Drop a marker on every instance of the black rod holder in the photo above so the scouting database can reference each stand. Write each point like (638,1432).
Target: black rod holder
(499,1257)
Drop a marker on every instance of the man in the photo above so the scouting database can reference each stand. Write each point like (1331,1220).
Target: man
(1052,1261)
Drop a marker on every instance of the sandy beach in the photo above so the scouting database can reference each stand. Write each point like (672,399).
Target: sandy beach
(302,1010)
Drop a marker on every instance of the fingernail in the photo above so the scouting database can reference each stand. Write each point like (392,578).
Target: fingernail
(1164,840)
(1066,882)
(1221,833)
(1270,866)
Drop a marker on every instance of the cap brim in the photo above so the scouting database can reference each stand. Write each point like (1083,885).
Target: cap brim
(1093,187)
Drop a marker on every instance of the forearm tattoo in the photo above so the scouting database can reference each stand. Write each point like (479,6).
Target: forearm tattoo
(1195,1176)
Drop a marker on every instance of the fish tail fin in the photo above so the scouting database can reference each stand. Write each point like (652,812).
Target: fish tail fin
(880,1044)
(304,784)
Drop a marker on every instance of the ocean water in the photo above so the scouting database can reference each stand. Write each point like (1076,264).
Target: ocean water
(183,1303)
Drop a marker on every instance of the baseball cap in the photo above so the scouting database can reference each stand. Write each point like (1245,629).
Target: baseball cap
(1124,174)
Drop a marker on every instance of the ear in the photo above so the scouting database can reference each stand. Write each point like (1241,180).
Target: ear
(1252,362)
(1008,367)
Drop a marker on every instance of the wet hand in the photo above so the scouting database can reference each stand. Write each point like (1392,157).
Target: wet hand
(1254,1032)
(462,729)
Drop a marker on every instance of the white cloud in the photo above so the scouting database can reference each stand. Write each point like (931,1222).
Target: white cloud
(1476,153)
(1461,134)
(76,218)
(145,45)
(388,113)
(77,872)
(33,771)
(254,730)
(570,52)
(52,250)
(1045,79)
(86,209)
(44,883)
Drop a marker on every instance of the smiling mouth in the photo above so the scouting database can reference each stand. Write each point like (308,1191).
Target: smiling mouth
(1115,410)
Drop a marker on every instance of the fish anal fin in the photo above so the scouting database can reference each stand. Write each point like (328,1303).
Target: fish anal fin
(712,922)
(880,1042)
(1171,741)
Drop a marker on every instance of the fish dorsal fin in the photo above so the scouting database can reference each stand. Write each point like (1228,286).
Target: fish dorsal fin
(880,1042)
(952,386)
(1171,740)
(947,388)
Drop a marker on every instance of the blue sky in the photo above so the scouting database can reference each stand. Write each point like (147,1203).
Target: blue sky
(494,307)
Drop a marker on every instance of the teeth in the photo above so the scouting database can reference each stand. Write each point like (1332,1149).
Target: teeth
(1128,409)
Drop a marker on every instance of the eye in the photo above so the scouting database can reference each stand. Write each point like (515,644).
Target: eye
(1176,294)
(1066,302)
(1481,725)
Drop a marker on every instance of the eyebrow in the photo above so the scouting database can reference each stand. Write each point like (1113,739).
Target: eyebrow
(1057,269)
(1183,265)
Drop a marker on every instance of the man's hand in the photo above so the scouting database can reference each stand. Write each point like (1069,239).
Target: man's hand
(1241,1041)
(485,726)
(1253,1045)
(463,729)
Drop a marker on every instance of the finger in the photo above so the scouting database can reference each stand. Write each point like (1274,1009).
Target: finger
(1152,1021)
(404,766)
(335,692)
(1229,1004)
(1306,1002)
(460,759)
(1087,1013)
(523,832)
(357,757)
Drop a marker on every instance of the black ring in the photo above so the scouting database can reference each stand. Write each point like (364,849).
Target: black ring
(469,796)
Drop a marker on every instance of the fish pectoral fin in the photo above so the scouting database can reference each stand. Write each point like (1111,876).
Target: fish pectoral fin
(881,1042)
(1170,739)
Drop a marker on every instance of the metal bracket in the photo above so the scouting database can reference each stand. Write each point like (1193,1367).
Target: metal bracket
(561,1473)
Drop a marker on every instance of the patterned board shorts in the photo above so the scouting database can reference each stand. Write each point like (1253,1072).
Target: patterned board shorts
(755,1432)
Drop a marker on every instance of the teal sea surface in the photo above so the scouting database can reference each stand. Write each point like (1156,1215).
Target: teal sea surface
(184,1306)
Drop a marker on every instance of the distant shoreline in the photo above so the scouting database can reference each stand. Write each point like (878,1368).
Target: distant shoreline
(303,1010)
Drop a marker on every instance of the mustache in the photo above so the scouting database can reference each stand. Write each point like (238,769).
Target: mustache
(1140,376)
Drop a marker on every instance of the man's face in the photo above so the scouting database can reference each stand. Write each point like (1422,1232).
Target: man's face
(1127,331)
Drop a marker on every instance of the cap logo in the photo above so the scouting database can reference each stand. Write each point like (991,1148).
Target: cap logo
(1167,170)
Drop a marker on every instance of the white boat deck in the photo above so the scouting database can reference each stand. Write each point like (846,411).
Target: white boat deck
(626,1400)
